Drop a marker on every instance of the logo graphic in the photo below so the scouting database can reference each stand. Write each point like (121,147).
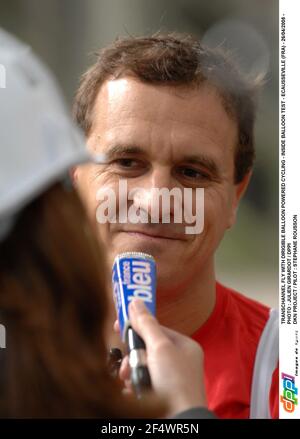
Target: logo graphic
(151,206)
(288,398)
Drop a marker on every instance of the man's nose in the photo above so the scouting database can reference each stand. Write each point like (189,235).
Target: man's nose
(155,189)
(160,177)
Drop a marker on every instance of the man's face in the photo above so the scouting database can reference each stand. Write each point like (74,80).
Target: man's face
(163,137)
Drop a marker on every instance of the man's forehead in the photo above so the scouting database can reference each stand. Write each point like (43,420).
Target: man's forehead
(131,98)
(127,109)
(114,87)
(131,93)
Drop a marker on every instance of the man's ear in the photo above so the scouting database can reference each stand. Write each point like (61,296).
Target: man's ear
(239,191)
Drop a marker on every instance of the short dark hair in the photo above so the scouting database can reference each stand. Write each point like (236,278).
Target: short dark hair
(174,60)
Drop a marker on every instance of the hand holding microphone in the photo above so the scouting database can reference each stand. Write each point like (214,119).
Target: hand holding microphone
(174,361)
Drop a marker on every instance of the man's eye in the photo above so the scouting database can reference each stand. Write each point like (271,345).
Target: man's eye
(129,167)
(193,173)
(127,163)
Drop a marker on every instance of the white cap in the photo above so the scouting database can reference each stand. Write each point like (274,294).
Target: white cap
(38,140)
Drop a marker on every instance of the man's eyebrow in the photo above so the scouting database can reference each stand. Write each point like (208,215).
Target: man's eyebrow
(203,161)
(197,159)
(119,150)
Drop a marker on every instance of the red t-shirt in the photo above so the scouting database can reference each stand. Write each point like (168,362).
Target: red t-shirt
(229,339)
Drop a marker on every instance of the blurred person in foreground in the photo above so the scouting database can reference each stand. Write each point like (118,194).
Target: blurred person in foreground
(170,113)
(53,300)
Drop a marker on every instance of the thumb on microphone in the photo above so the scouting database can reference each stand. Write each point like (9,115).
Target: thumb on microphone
(144,323)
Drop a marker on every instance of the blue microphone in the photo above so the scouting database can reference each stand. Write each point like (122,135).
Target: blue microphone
(134,276)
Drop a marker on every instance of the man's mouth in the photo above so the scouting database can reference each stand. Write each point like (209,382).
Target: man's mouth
(155,233)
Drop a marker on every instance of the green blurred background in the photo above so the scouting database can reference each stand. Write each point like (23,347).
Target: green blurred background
(64,33)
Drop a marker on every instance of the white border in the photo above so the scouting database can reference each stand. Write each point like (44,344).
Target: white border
(289,171)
